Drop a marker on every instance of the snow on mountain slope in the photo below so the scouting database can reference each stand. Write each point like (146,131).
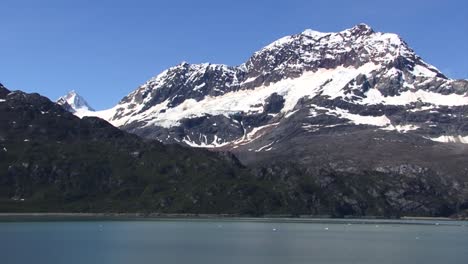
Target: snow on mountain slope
(320,81)
(323,81)
(407,97)
(76,104)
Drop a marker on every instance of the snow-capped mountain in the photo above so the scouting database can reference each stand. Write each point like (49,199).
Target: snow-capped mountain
(306,85)
(320,112)
(75,103)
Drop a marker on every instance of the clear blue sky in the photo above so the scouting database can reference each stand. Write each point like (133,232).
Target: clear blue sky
(105,49)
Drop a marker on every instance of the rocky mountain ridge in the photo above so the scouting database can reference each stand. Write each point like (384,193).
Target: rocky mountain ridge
(354,77)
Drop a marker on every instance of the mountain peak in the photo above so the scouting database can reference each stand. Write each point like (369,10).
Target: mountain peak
(313,33)
(3,91)
(183,64)
(74,102)
(361,29)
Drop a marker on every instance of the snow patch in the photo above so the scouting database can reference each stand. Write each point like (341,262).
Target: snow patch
(267,147)
(254,133)
(279,42)
(423,71)
(380,121)
(374,96)
(204,143)
(401,128)
(198,87)
(314,34)
(451,139)
(290,113)
(424,108)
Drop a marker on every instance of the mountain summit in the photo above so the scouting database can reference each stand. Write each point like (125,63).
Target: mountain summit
(74,103)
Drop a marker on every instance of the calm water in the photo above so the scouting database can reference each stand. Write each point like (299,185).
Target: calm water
(219,242)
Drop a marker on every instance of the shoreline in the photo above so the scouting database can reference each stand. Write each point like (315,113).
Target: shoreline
(31,217)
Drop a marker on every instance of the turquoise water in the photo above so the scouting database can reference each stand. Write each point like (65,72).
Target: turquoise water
(207,242)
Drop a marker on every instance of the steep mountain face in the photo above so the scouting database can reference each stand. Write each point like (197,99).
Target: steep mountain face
(74,103)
